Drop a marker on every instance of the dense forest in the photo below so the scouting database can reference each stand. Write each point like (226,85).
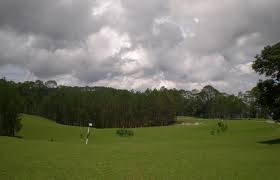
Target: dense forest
(108,107)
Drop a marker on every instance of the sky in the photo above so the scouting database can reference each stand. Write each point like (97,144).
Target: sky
(132,44)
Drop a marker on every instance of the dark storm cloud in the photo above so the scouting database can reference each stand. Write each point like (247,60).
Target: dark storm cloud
(63,20)
(137,44)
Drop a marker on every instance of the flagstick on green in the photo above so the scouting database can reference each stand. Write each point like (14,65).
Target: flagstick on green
(88,132)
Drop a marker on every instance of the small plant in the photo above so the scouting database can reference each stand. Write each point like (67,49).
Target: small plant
(220,128)
(124,132)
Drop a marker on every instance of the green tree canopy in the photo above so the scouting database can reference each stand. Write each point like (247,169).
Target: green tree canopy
(268,91)
(10,108)
(268,62)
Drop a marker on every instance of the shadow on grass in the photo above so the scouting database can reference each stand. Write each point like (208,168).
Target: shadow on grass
(271,142)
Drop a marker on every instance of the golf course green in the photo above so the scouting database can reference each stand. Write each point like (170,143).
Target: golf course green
(45,150)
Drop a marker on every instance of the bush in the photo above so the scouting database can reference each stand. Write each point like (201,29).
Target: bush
(124,132)
(220,128)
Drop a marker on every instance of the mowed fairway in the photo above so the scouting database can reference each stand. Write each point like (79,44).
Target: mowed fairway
(249,150)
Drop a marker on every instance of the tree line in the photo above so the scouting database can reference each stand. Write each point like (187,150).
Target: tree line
(109,107)
(210,103)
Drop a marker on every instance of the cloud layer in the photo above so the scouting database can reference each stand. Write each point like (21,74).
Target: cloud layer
(137,44)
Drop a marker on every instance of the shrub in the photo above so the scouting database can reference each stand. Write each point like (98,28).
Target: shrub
(124,132)
(220,128)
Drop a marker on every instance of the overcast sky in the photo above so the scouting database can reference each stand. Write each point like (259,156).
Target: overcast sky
(134,44)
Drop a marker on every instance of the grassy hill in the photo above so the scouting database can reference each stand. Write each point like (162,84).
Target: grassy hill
(248,150)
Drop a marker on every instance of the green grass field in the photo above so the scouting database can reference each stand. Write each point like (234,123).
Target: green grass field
(249,150)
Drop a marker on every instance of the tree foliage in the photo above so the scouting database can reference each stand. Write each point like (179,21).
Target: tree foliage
(210,103)
(268,62)
(104,107)
(268,91)
(10,108)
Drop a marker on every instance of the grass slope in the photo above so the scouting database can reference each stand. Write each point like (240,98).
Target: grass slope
(174,152)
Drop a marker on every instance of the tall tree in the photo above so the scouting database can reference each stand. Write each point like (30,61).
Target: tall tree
(268,91)
(10,108)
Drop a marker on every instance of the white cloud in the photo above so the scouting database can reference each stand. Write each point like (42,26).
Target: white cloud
(248,38)
(134,61)
(107,43)
(101,7)
(134,82)
(196,20)
(156,29)
(243,68)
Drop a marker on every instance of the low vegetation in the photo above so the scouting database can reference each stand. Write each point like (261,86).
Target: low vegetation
(124,132)
(221,127)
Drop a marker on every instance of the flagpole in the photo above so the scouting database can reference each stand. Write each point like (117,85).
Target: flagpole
(89,125)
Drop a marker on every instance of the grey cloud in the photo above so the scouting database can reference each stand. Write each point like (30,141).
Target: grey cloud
(63,20)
